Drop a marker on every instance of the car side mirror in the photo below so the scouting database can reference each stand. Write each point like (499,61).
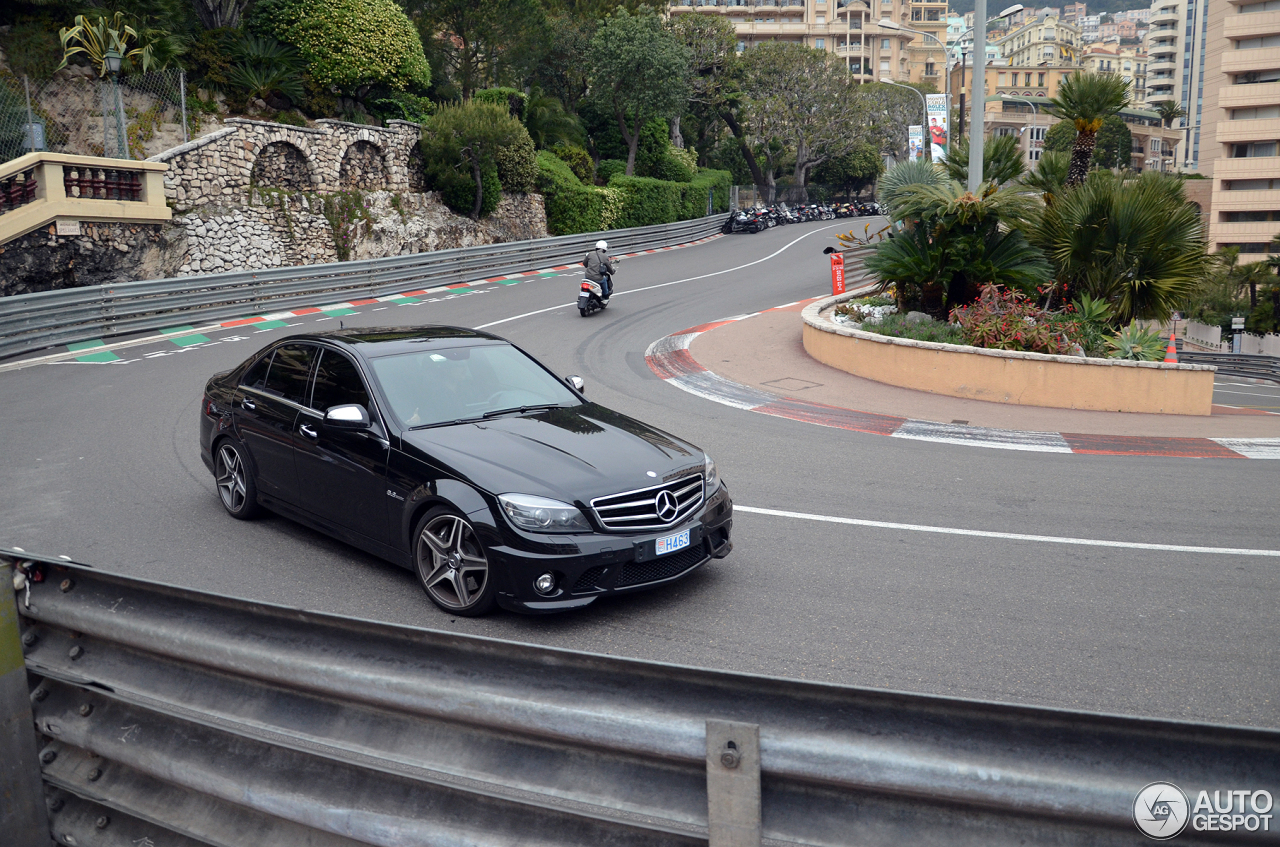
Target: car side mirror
(349,416)
(575,382)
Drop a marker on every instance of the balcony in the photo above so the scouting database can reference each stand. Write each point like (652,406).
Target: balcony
(1232,132)
(1251,25)
(1162,48)
(1244,96)
(1224,233)
(1162,65)
(1259,59)
(1169,14)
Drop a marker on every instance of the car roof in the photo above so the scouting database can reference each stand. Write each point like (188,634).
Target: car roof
(389,341)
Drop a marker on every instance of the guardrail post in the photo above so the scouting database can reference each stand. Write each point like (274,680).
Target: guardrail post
(733,784)
(23,819)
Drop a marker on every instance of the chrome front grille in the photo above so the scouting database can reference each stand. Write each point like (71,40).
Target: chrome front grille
(650,508)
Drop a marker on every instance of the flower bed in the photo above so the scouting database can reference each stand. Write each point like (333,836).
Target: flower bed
(1004,376)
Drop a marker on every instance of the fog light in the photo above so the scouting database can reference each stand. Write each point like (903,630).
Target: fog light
(545,584)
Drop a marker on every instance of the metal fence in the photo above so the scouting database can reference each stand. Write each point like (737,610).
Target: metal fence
(1235,364)
(47,318)
(749,196)
(78,112)
(183,717)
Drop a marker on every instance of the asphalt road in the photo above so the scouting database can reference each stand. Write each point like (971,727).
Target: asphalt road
(101,464)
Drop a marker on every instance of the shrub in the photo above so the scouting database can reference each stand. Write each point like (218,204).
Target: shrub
(349,43)
(647,201)
(608,169)
(897,326)
(471,137)
(571,206)
(513,100)
(1136,344)
(518,165)
(290,118)
(390,105)
(694,204)
(1009,320)
(578,160)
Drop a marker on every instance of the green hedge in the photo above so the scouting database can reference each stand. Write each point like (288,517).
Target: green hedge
(573,207)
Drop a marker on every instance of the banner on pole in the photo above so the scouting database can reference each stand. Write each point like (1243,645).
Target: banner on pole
(915,142)
(936,106)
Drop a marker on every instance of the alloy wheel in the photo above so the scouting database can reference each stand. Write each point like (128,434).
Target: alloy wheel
(451,563)
(230,479)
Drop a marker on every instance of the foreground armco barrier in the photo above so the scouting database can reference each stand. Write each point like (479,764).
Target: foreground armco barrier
(189,718)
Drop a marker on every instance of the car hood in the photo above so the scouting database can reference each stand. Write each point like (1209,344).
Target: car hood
(577,453)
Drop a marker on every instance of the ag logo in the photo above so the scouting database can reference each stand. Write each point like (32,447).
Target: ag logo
(1160,810)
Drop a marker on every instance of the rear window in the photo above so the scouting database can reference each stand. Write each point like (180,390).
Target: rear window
(290,372)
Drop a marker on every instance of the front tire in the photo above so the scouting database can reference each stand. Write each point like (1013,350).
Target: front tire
(452,565)
(236,488)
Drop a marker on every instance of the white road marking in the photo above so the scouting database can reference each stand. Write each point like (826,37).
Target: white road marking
(1011,536)
(665,284)
(1250,393)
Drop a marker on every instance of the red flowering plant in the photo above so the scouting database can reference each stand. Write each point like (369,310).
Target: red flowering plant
(1003,319)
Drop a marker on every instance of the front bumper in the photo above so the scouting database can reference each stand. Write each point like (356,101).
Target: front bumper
(611,563)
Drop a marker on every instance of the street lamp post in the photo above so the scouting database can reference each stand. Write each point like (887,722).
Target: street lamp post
(946,83)
(112,61)
(923,103)
(977,115)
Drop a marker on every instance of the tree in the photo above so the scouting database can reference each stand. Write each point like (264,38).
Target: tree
(1087,99)
(712,43)
(1114,144)
(349,43)
(1135,243)
(219,14)
(900,178)
(562,72)
(1060,137)
(1169,111)
(483,42)
(638,72)
(1049,177)
(851,172)
(1001,160)
(461,149)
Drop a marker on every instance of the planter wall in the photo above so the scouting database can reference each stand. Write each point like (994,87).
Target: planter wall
(1028,379)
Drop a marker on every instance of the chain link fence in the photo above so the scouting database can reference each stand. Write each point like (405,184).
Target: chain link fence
(132,117)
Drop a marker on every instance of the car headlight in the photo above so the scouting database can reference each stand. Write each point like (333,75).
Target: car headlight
(712,477)
(541,514)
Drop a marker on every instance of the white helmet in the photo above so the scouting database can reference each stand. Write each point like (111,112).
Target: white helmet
(602,245)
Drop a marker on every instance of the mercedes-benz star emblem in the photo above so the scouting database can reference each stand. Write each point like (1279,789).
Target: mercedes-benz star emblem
(666,506)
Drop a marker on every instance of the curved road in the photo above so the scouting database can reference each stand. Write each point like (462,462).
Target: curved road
(102,466)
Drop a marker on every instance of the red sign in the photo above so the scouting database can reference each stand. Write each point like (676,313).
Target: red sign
(837,273)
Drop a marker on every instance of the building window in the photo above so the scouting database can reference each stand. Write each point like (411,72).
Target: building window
(1040,80)
(1251,247)
(1250,184)
(1037,133)
(930,69)
(1255,43)
(1251,217)
(822,19)
(1257,113)
(1269,6)
(1255,150)
(820,43)
(1034,154)
(884,45)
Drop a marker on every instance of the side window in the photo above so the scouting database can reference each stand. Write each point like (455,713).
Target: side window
(290,372)
(338,383)
(256,376)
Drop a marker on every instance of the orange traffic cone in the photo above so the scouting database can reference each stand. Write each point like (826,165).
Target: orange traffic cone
(1171,353)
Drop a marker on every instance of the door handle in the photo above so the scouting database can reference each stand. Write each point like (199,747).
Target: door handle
(306,430)
(247,403)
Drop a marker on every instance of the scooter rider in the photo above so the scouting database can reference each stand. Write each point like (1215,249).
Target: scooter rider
(600,269)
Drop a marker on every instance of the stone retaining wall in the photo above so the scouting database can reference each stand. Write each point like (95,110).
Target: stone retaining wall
(332,156)
(1004,376)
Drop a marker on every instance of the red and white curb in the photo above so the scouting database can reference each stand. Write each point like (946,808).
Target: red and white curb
(671,360)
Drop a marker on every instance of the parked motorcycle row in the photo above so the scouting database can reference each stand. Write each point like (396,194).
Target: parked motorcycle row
(760,218)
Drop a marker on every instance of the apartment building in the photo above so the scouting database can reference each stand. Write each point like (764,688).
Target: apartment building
(846,28)
(1073,12)
(927,54)
(1241,126)
(1045,39)
(1152,144)
(1176,68)
(1129,62)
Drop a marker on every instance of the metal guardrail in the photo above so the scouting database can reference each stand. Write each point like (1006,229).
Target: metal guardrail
(44,319)
(1236,364)
(184,717)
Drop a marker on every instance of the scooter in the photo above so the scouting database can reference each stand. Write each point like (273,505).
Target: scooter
(591,298)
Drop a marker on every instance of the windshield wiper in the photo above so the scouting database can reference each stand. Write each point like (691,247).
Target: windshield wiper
(521,409)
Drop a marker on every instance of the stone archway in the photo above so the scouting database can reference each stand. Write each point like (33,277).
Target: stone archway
(362,167)
(281,165)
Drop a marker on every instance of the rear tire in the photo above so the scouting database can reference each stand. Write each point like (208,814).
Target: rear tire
(583,311)
(236,488)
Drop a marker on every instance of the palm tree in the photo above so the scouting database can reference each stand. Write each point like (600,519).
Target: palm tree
(1135,243)
(902,176)
(1001,160)
(1087,99)
(1169,111)
(1050,175)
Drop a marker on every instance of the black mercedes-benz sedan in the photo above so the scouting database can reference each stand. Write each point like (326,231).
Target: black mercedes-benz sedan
(456,454)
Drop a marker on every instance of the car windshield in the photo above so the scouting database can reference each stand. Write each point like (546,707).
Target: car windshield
(440,386)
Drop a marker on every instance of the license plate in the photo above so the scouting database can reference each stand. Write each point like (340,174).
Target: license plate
(671,543)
